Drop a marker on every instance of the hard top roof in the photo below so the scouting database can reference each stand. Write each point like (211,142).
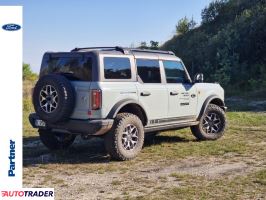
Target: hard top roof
(122,51)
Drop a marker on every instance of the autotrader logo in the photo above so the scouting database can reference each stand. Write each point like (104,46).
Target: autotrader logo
(11,27)
(28,193)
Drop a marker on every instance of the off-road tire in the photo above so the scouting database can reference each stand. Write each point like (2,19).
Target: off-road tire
(51,139)
(65,98)
(201,134)
(113,139)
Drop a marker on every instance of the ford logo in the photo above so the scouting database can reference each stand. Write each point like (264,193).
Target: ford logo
(11,27)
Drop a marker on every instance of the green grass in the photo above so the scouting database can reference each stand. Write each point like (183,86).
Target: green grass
(198,187)
(240,187)
(27,128)
(245,137)
(27,109)
(116,182)
(260,178)
(243,128)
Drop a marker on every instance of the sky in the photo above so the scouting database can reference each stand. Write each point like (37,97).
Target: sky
(57,25)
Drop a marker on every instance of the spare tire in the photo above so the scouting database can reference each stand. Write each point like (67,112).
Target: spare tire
(53,98)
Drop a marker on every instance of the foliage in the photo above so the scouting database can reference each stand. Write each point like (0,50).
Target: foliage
(143,45)
(27,73)
(229,46)
(153,45)
(210,13)
(184,25)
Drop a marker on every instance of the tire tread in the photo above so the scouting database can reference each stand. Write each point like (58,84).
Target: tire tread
(197,130)
(111,138)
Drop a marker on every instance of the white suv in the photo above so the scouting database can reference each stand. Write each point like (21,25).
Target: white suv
(122,94)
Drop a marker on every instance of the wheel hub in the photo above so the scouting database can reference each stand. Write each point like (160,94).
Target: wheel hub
(48,98)
(212,123)
(130,137)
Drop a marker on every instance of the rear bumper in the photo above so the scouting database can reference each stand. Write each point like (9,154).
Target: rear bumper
(86,127)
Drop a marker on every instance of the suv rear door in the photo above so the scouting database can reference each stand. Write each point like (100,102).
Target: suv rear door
(78,69)
(152,93)
(181,92)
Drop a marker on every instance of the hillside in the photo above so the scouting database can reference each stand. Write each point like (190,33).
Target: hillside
(229,45)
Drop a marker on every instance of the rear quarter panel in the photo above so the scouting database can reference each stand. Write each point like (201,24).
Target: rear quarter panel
(113,92)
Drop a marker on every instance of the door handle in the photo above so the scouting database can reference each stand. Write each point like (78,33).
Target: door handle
(145,93)
(173,93)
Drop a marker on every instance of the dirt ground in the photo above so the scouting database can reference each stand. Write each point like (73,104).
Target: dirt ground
(172,165)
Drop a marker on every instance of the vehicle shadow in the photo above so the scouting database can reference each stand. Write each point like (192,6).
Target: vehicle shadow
(82,151)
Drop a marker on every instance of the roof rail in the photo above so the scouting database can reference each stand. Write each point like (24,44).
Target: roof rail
(124,50)
(116,48)
(90,48)
(152,51)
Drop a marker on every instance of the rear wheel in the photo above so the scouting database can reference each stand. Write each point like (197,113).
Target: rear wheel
(56,140)
(212,124)
(126,138)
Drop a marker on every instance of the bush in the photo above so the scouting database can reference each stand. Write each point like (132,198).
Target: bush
(27,105)
(229,46)
(28,74)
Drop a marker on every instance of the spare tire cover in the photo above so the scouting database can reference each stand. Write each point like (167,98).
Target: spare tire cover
(53,98)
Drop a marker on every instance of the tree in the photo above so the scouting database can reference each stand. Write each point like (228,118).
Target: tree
(27,73)
(154,45)
(228,47)
(143,45)
(184,25)
(210,13)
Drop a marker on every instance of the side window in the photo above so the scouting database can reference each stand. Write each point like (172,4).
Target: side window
(117,68)
(149,70)
(174,72)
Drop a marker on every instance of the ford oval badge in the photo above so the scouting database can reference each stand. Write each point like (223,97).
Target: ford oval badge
(11,27)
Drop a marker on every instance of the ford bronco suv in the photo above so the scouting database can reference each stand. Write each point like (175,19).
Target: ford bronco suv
(122,94)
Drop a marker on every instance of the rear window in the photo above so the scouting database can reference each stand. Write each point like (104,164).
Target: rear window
(117,68)
(75,68)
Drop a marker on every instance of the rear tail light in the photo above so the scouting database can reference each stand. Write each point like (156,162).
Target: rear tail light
(96,99)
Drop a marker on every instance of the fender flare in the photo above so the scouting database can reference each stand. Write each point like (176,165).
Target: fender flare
(207,102)
(115,109)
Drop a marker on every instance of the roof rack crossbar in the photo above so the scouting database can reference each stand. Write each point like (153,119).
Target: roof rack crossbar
(124,50)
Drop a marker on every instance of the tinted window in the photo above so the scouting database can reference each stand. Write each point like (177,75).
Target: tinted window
(174,72)
(149,70)
(75,68)
(117,68)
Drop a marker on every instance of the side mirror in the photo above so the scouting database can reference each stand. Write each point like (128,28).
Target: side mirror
(198,78)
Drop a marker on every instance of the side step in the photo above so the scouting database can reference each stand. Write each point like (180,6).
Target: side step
(165,127)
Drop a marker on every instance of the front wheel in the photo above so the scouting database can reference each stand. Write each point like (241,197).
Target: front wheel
(126,138)
(212,124)
(56,140)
